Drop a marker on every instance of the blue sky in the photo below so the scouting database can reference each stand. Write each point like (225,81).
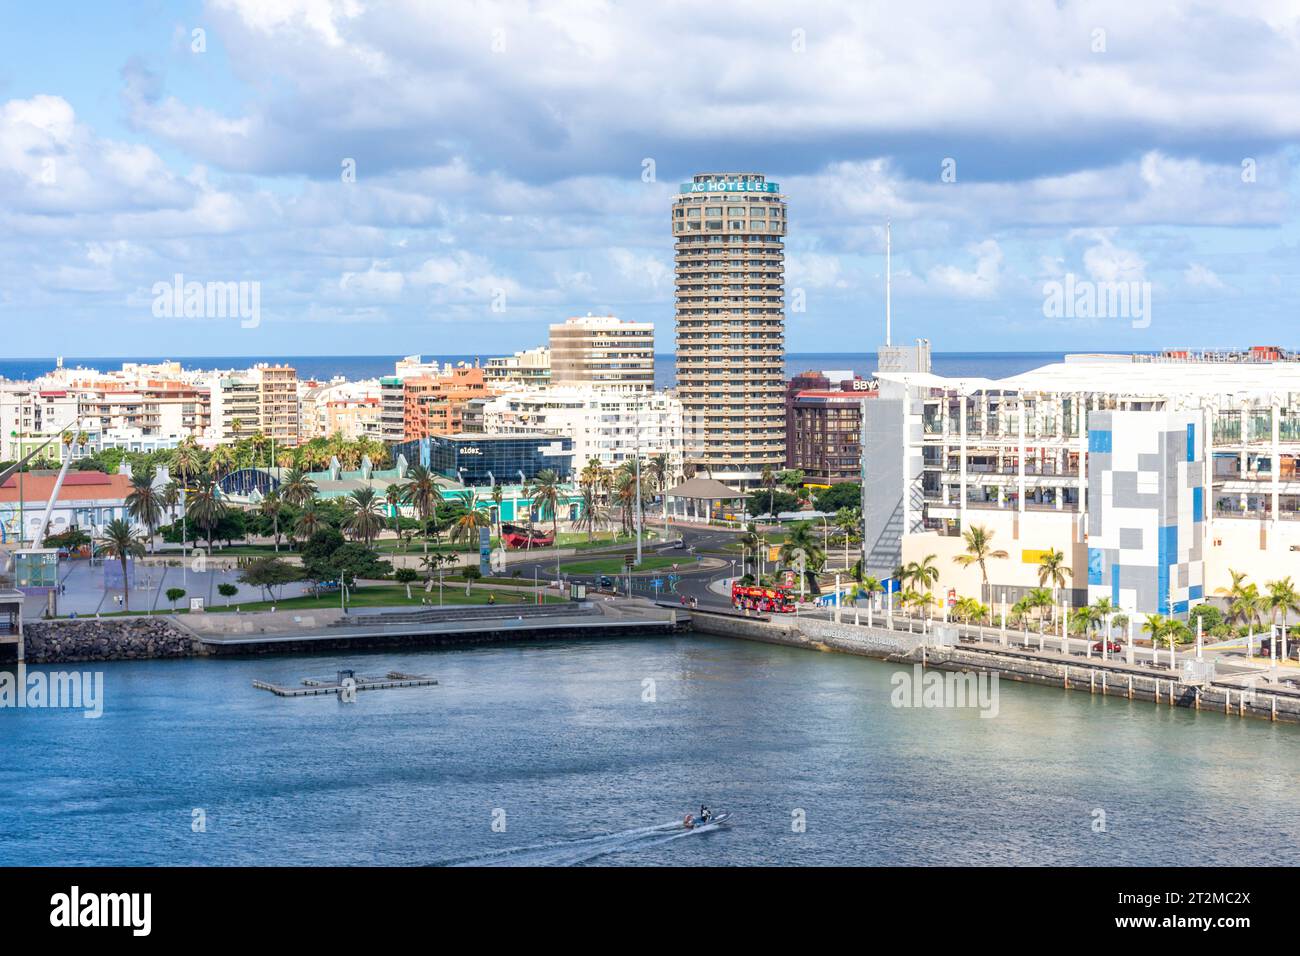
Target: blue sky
(499,151)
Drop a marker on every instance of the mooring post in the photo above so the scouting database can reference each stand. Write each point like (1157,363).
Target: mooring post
(1274,714)
(1130,686)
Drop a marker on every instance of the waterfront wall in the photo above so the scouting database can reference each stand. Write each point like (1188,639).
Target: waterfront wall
(1093,676)
(108,639)
(812,634)
(144,638)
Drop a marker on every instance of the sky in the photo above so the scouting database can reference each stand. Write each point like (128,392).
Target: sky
(446,178)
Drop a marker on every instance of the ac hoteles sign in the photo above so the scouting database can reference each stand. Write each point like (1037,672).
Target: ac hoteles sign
(731,186)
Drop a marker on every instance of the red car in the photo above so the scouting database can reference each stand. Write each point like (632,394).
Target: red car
(1111,648)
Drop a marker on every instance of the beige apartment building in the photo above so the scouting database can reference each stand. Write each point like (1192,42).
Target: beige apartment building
(262,399)
(730,265)
(604,352)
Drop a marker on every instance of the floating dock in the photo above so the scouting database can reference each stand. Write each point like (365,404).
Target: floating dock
(316,686)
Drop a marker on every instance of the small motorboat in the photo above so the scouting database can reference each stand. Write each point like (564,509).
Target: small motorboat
(693,822)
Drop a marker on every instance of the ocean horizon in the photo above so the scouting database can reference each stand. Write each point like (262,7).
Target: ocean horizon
(355,367)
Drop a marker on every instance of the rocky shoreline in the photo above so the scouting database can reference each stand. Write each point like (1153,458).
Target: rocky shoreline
(125,639)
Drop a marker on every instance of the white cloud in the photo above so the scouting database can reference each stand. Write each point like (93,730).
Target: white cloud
(980,283)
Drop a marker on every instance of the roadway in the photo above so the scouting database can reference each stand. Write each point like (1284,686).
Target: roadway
(693,581)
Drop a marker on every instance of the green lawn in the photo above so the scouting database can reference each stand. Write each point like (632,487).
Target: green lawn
(651,562)
(394,595)
(386,595)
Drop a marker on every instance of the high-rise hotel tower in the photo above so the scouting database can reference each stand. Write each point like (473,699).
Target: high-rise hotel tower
(731,324)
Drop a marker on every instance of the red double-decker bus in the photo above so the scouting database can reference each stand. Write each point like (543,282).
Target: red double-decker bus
(777,600)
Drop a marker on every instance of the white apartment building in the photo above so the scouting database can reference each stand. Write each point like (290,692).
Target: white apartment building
(529,368)
(603,351)
(1155,477)
(605,425)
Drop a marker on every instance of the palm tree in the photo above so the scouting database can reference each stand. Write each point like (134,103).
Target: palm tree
(122,542)
(271,507)
(544,492)
(421,493)
(466,527)
(769,480)
(1040,599)
(221,460)
(364,515)
(659,471)
(498,495)
(626,485)
(170,498)
(205,506)
(309,522)
(144,503)
(393,497)
(979,550)
(1052,568)
(1245,603)
(297,488)
(924,572)
(593,513)
(848,520)
(802,537)
(1282,597)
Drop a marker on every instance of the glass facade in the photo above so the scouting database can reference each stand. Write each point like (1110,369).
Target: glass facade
(479,459)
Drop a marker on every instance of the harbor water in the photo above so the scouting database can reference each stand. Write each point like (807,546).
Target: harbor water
(586,752)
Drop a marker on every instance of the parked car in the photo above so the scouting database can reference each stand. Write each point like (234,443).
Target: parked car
(604,581)
(1111,648)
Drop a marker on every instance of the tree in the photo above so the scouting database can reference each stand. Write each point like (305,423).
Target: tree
(465,528)
(205,507)
(769,481)
(782,501)
(364,516)
(227,591)
(793,478)
(498,495)
(174,595)
(271,507)
(844,494)
(143,502)
(406,576)
(309,521)
(297,488)
(270,573)
(421,493)
(849,521)
(1282,597)
(544,492)
(1040,600)
(924,572)
(802,537)
(979,550)
(123,543)
(1052,570)
(593,513)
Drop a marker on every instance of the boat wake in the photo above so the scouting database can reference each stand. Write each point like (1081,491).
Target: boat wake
(573,852)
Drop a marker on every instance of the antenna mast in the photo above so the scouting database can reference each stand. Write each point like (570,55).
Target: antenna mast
(887,281)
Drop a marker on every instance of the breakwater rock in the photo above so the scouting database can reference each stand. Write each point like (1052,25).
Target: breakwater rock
(120,639)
